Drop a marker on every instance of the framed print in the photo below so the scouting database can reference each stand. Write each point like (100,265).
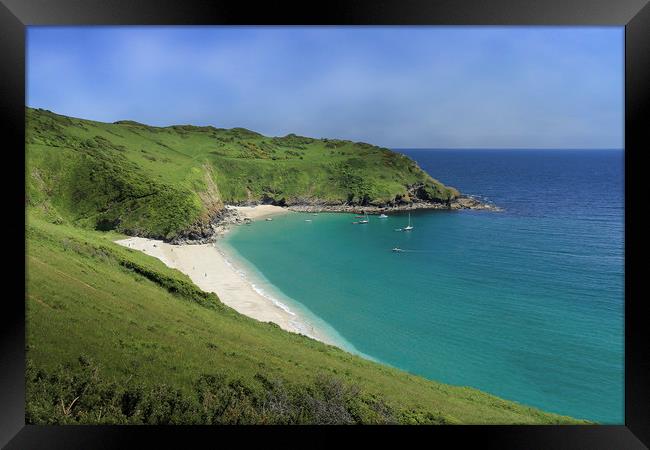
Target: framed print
(275,221)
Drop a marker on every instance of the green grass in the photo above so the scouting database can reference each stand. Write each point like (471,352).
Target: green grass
(115,336)
(162,182)
(154,336)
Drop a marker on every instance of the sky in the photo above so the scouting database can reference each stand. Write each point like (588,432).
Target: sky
(397,87)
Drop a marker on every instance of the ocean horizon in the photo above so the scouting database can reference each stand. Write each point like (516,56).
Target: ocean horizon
(526,303)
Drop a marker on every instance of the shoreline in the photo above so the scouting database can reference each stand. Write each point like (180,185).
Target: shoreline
(243,214)
(258,211)
(307,322)
(460,203)
(212,270)
(466,203)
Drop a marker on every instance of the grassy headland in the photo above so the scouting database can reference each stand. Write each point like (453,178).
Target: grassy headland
(115,336)
(173,181)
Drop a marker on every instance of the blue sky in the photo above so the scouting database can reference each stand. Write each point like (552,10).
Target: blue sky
(400,87)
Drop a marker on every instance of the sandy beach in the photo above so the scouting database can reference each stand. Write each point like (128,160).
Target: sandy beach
(211,270)
(259,211)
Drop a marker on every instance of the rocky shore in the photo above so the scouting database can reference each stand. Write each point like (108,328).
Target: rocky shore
(219,224)
(465,202)
(231,215)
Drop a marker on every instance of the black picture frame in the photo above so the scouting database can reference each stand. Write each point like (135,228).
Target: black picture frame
(15,15)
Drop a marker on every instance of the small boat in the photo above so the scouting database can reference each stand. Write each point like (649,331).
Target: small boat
(408,227)
(307,220)
(268,219)
(397,249)
(364,220)
(383,216)
(359,217)
(355,223)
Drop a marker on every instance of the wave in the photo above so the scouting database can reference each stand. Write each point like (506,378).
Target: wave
(299,321)
(273,300)
(256,288)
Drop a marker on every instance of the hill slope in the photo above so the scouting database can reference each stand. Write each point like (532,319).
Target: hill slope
(173,181)
(136,342)
(114,336)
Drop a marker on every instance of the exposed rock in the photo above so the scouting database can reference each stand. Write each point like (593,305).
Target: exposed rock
(468,202)
(207,231)
(461,202)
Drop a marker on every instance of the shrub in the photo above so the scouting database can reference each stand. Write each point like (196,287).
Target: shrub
(79,394)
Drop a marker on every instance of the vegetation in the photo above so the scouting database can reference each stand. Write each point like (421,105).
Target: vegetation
(115,336)
(214,400)
(162,181)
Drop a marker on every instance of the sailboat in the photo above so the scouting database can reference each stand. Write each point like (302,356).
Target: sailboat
(364,220)
(408,227)
(383,216)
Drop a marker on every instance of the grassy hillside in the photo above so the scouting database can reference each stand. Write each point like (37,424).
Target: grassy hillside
(114,336)
(172,181)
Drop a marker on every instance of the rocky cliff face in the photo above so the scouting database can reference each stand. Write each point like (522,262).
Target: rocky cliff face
(208,230)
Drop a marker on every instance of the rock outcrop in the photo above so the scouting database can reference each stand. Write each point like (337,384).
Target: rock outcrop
(208,231)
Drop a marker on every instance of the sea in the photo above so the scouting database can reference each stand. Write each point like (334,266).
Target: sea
(526,303)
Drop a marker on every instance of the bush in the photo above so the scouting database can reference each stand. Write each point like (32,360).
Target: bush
(78,394)
(175,286)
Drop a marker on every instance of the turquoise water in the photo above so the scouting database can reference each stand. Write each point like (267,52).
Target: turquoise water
(526,304)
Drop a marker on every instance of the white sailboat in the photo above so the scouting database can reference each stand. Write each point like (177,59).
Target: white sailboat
(364,220)
(408,227)
(383,216)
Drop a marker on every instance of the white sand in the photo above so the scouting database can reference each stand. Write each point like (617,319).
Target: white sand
(259,211)
(210,270)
